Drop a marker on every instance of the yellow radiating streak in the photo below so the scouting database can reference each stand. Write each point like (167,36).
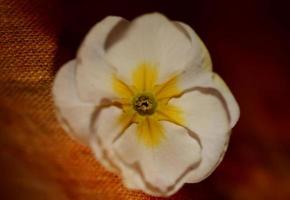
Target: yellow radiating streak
(122,89)
(144,77)
(150,130)
(167,89)
(171,113)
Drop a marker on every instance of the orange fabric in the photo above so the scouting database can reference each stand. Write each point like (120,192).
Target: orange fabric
(38,160)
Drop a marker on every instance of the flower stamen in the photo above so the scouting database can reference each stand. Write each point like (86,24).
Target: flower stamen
(144,104)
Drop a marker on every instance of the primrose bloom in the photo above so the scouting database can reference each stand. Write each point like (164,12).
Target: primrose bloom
(143,97)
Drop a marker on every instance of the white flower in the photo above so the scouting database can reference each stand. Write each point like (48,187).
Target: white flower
(143,96)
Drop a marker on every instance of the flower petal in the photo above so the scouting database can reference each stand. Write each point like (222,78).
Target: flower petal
(163,169)
(201,55)
(206,116)
(94,73)
(211,81)
(150,132)
(198,74)
(231,102)
(102,138)
(151,38)
(74,114)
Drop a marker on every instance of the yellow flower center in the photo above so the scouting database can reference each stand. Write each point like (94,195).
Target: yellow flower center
(146,103)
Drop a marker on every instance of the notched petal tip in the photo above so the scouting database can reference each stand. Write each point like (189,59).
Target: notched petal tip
(152,16)
(232,103)
(150,38)
(201,57)
(96,38)
(206,116)
(73,114)
(94,72)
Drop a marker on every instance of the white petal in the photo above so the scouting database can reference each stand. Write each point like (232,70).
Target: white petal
(151,38)
(201,57)
(74,114)
(164,168)
(209,80)
(233,107)
(105,129)
(94,73)
(198,74)
(206,116)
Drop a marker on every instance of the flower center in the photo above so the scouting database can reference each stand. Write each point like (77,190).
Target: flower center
(144,104)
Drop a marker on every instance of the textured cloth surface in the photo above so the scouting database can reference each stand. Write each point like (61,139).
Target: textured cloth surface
(39,161)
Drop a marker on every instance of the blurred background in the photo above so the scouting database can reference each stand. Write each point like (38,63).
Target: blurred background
(249,41)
